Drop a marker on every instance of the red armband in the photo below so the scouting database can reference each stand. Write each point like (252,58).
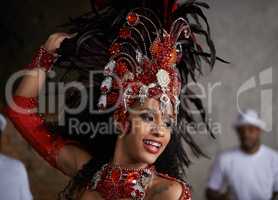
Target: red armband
(31,126)
(42,59)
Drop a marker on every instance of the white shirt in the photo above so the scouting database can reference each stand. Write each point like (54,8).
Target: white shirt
(14,184)
(248,177)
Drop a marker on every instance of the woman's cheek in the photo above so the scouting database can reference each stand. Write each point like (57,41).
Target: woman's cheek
(167,136)
(143,127)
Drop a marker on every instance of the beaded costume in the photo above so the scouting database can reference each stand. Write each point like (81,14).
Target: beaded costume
(151,51)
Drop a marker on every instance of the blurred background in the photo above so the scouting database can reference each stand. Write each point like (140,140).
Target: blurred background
(245,33)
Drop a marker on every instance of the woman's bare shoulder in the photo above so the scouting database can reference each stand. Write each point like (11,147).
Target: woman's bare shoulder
(169,188)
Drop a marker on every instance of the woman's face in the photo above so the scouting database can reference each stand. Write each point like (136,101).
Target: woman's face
(150,132)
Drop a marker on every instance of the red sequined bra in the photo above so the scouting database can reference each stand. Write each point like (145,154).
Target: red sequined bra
(113,183)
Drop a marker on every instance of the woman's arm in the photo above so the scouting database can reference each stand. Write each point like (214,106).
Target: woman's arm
(60,153)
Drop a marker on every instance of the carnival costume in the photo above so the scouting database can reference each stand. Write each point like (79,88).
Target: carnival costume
(148,56)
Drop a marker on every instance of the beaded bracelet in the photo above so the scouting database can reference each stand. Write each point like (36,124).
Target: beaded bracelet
(42,59)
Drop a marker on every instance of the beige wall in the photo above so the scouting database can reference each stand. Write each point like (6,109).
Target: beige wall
(246,33)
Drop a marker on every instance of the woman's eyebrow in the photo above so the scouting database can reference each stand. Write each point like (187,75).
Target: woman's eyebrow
(153,111)
(142,110)
(150,110)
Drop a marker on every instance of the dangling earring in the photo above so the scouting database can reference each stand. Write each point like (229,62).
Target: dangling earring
(117,128)
(121,135)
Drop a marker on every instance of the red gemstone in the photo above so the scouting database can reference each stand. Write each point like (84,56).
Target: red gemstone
(121,68)
(132,18)
(104,89)
(115,48)
(116,175)
(131,177)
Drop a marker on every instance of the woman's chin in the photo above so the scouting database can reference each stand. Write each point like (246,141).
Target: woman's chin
(148,159)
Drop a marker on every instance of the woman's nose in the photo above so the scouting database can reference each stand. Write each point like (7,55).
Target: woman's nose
(156,131)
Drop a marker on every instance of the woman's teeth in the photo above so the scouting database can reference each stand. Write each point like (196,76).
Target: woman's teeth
(153,143)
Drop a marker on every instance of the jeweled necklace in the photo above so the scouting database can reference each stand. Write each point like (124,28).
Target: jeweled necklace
(113,182)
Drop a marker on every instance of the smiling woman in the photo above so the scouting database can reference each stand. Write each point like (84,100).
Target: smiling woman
(147,54)
(130,172)
(149,134)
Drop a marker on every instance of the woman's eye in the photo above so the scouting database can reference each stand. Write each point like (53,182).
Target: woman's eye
(147,117)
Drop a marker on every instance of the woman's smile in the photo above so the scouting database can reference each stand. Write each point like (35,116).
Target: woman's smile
(152,146)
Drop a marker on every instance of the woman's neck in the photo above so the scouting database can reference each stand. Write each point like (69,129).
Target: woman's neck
(122,159)
(124,162)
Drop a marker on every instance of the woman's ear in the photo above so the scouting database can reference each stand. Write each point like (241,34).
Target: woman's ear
(119,129)
(123,128)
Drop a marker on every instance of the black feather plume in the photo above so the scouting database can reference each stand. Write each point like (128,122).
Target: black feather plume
(97,30)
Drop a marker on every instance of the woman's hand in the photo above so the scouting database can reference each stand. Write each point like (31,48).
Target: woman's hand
(54,41)
(32,82)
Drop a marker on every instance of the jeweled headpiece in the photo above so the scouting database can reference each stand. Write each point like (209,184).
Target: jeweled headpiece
(143,62)
(149,57)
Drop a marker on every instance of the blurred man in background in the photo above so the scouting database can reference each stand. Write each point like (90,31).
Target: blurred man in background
(14,184)
(248,172)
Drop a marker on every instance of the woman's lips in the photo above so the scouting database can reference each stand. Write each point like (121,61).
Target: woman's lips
(152,146)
